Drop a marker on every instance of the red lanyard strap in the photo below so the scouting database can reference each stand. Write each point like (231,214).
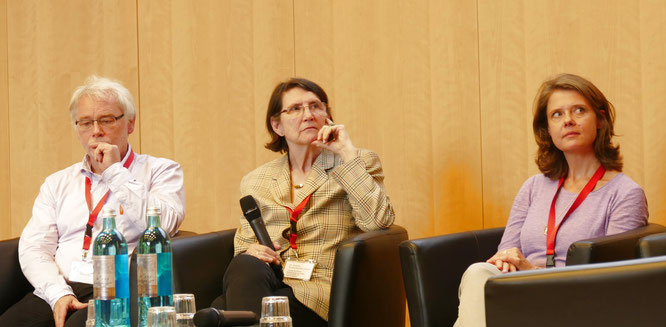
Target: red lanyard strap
(92,214)
(294,219)
(551,231)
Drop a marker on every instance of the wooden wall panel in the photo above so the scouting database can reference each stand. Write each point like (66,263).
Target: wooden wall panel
(207,70)
(454,81)
(52,47)
(505,110)
(442,90)
(524,43)
(653,83)
(5,195)
(397,78)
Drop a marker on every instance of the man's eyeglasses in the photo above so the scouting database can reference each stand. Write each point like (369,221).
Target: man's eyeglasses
(316,108)
(106,121)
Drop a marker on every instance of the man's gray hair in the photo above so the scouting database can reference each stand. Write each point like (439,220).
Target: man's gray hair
(101,88)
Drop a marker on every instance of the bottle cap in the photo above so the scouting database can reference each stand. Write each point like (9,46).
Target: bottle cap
(153,211)
(108,212)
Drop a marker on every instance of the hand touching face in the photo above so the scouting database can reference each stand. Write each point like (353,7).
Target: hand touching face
(102,134)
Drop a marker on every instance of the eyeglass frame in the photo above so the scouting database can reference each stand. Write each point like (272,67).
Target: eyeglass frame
(92,122)
(291,110)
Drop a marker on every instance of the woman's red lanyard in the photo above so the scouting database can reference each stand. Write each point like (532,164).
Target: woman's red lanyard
(551,230)
(92,214)
(294,219)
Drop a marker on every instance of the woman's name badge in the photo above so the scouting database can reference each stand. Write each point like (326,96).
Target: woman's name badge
(299,269)
(82,272)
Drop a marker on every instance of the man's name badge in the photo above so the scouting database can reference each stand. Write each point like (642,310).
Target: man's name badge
(82,272)
(299,269)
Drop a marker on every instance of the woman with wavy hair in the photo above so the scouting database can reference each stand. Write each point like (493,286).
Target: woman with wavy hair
(581,193)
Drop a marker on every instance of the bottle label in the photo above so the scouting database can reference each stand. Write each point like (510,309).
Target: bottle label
(147,274)
(122,276)
(104,279)
(164,274)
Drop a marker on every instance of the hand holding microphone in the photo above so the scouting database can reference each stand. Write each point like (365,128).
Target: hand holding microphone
(265,253)
(253,215)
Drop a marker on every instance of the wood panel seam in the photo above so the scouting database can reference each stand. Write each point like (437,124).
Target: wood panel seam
(478,72)
(138,75)
(293,31)
(9,144)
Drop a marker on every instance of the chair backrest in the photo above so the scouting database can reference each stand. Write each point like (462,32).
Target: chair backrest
(210,253)
(367,285)
(432,268)
(13,285)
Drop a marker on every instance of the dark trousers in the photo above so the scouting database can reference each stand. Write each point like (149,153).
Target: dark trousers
(248,279)
(31,311)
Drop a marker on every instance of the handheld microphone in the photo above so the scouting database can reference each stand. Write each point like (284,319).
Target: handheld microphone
(211,317)
(253,215)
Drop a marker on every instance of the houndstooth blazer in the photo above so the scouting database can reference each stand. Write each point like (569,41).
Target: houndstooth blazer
(347,199)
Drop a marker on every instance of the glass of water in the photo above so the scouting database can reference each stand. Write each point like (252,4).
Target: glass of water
(275,322)
(162,317)
(275,312)
(185,309)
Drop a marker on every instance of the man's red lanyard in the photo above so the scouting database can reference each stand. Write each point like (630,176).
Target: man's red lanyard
(551,231)
(294,219)
(92,214)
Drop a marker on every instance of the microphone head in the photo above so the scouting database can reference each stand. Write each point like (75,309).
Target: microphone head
(208,317)
(250,208)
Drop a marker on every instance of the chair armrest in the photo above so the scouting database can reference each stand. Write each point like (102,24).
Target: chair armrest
(615,247)
(432,268)
(13,285)
(367,270)
(652,245)
(623,293)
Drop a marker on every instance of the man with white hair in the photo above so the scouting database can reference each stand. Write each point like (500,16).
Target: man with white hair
(55,246)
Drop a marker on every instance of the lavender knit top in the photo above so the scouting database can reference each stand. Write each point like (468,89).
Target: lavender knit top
(618,206)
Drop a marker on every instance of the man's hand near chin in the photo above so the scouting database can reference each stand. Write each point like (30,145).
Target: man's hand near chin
(104,155)
(63,305)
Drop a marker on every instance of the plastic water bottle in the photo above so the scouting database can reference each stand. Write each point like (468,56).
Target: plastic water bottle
(154,272)
(111,275)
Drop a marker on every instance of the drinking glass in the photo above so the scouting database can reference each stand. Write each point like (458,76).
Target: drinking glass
(275,312)
(275,322)
(185,309)
(184,303)
(275,306)
(90,321)
(162,317)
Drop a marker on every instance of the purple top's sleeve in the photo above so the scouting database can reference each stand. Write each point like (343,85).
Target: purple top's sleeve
(628,212)
(521,205)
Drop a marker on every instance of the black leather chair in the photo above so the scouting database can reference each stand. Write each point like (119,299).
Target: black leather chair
(622,293)
(13,285)
(432,267)
(652,245)
(366,288)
